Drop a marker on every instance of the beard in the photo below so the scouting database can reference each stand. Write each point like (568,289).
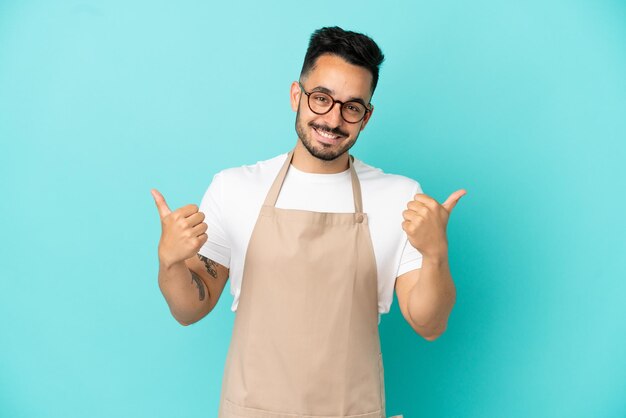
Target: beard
(326,152)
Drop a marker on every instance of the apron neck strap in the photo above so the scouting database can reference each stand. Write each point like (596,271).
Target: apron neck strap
(272,195)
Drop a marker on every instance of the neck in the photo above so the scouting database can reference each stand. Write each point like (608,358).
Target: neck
(304,161)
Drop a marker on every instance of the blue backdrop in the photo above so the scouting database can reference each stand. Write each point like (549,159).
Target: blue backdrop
(523,104)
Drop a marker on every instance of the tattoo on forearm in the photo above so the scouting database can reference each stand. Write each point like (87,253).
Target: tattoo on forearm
(198,280)
(211,266)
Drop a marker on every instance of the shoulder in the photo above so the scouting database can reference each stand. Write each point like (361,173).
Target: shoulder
(252,173)
(395,184)
(239,191)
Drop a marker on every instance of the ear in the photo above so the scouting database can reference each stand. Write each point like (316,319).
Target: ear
(367,117)
(294,95)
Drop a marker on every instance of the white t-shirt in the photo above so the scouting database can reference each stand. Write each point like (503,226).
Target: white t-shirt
(234,198)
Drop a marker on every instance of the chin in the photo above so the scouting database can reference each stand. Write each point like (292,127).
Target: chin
(327,152)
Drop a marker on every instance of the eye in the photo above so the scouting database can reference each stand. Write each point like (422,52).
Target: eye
(354,107)
(320,98)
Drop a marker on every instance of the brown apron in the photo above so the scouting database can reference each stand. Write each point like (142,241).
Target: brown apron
(305,340)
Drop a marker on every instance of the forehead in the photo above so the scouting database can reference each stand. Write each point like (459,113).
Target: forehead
(342,78)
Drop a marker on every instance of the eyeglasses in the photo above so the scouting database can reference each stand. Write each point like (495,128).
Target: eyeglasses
(321,103)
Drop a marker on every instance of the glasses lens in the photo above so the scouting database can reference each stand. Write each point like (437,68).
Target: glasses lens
(320,102)
(353,111)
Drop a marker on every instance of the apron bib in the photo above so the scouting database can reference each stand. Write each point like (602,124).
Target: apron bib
(305,338)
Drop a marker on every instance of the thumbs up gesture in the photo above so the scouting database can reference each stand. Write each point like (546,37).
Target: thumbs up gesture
(425,222)
(183,231)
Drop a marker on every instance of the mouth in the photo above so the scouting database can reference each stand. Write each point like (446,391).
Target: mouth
(326,137)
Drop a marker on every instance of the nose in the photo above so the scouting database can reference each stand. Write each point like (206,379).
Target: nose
(334,115)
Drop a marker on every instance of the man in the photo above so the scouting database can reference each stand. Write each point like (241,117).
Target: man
(314,242)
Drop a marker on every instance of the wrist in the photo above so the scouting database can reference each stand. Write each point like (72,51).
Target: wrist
(167,264)
(436,258)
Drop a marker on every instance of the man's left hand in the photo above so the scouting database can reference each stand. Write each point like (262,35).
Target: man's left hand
(425,223)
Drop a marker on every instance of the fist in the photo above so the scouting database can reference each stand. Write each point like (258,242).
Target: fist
(425,223)
(183,231)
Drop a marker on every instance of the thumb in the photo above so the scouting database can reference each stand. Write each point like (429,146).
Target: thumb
(162,207)
(453,199)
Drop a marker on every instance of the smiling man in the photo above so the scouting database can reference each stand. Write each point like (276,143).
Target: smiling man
(314,241)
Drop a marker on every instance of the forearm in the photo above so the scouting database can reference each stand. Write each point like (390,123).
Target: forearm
(186,295)
(432,298)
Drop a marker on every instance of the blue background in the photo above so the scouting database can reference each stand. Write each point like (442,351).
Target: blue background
(522,103)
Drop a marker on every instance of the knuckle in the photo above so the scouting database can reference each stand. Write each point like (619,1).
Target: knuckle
(201,239)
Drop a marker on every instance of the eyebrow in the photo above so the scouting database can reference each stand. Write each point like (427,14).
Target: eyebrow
(331,92)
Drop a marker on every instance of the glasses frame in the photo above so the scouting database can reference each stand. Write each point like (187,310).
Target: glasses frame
(308,102)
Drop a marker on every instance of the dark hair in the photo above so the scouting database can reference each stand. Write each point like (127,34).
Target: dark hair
(356,48)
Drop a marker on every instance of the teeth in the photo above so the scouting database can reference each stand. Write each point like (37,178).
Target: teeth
(327,135)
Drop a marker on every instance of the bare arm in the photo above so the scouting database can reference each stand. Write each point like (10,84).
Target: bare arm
(426,297)
(192,287)
(190,282)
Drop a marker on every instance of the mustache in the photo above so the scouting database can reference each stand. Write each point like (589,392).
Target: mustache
(325,128)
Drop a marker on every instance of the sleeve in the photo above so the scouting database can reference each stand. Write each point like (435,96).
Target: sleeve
(217,247)
(411,259)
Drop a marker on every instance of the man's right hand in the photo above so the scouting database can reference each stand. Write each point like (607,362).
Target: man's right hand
(183,231)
